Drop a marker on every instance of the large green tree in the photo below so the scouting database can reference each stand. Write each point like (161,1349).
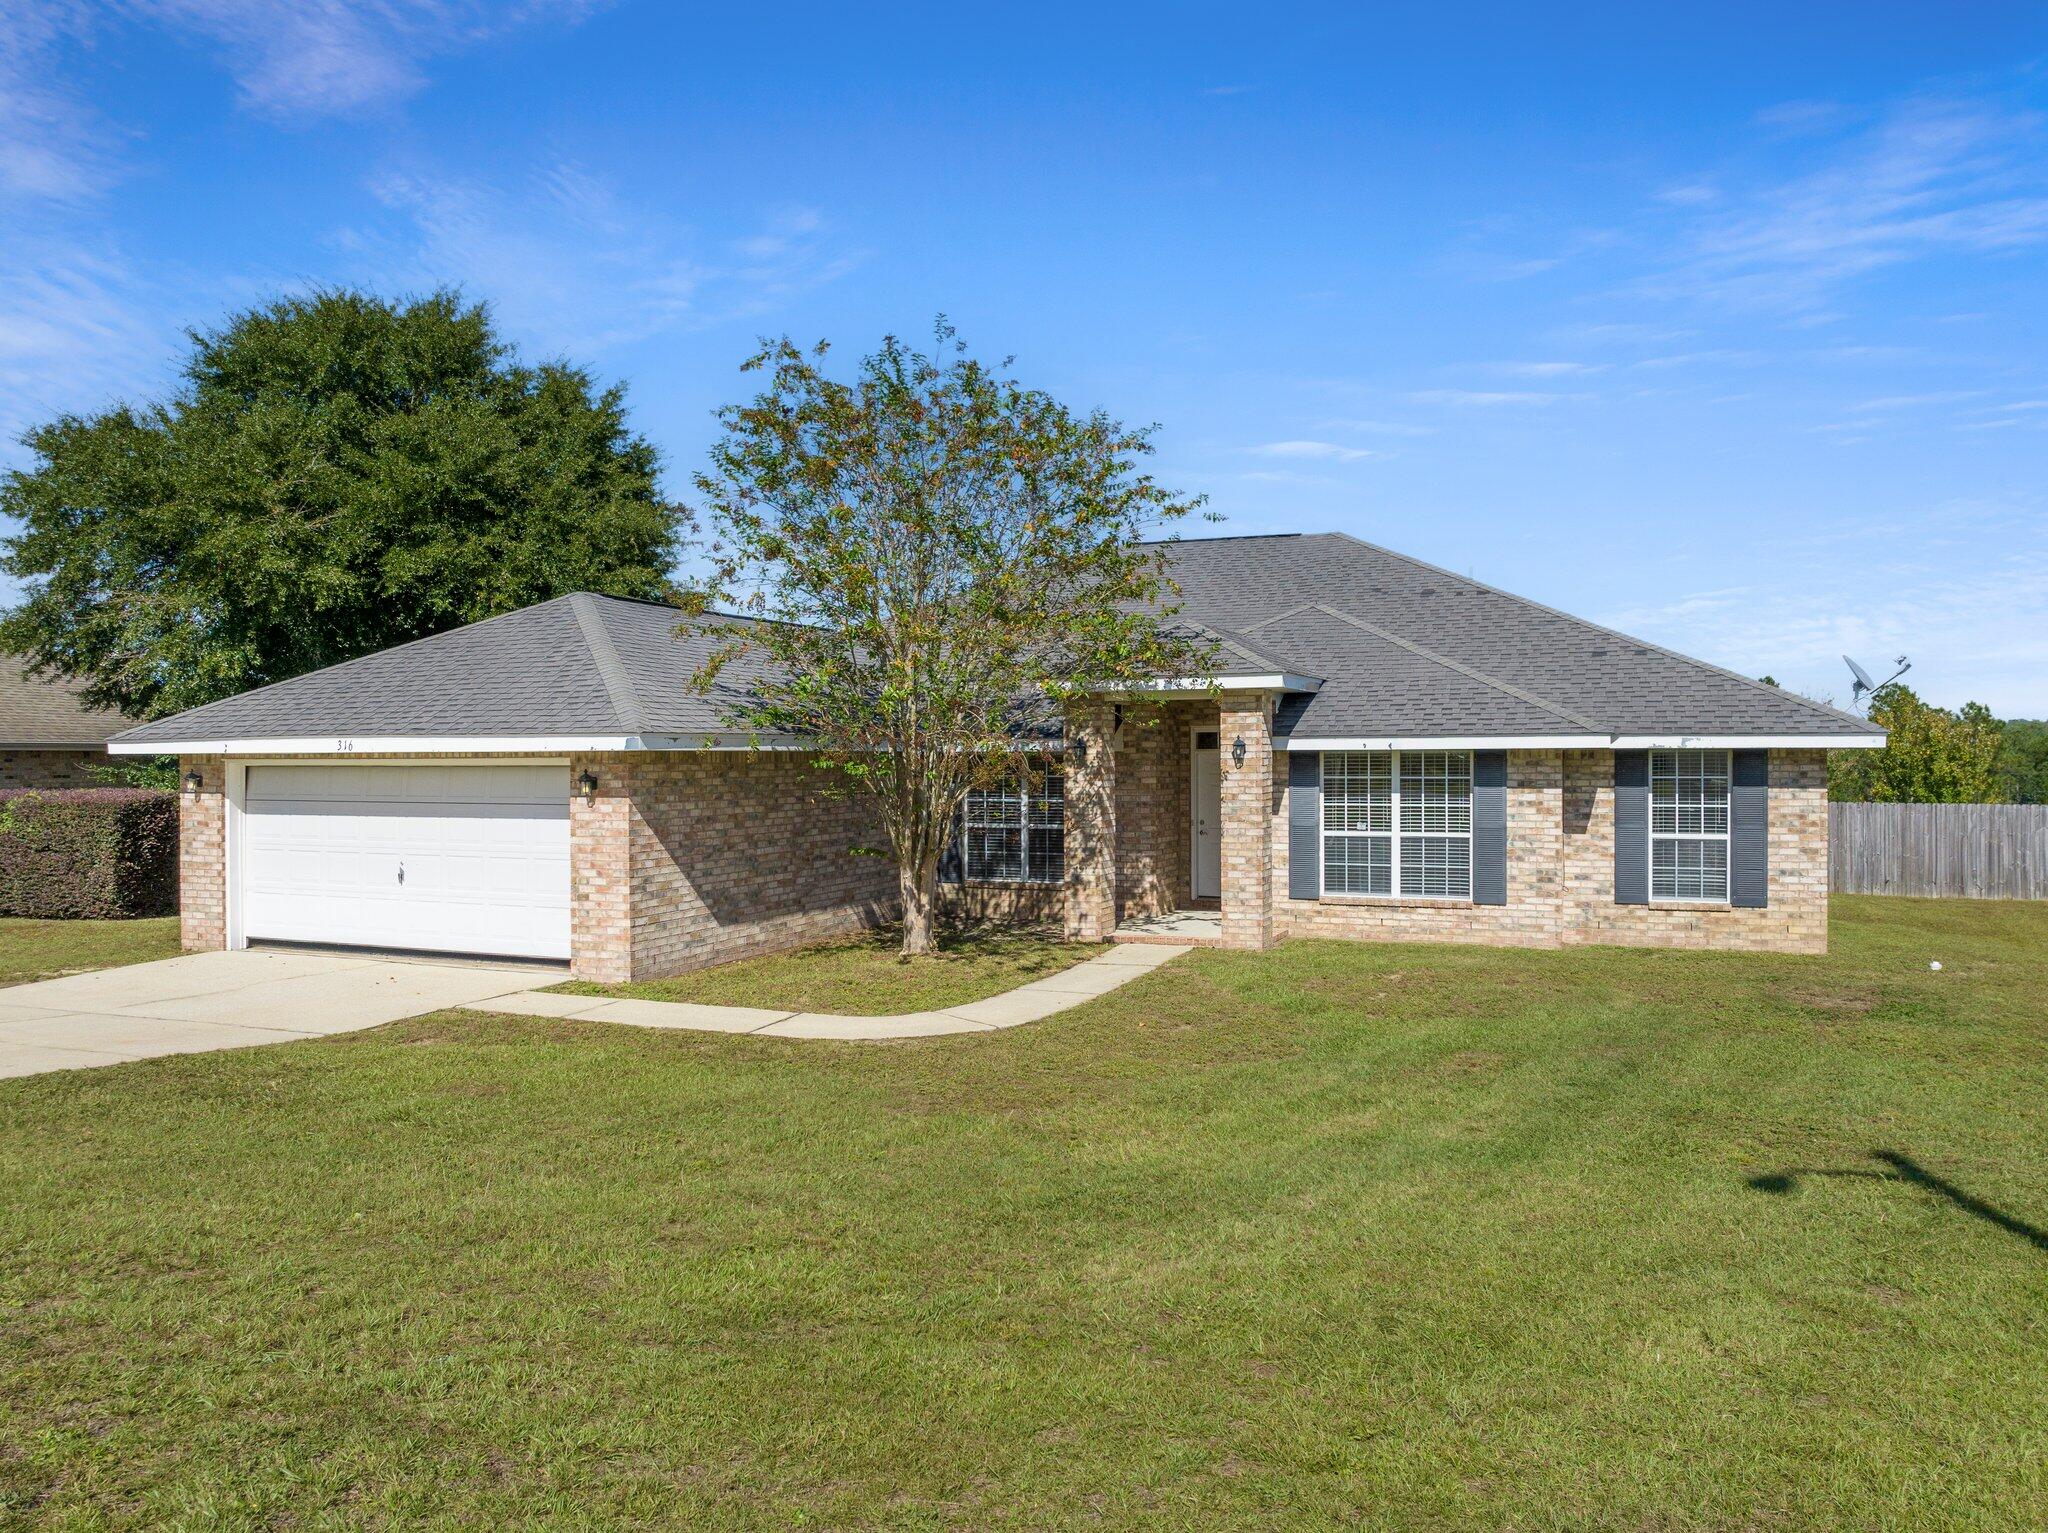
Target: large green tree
(948,558)
(1933,755)
(337,474)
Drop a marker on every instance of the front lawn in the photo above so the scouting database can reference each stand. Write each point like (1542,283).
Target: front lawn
(32,950)
(1398,1237)
(867,975)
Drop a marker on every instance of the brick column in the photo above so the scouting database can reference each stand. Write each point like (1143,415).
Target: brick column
(601,870)
(203,855)
(1091,825)
(1247,717)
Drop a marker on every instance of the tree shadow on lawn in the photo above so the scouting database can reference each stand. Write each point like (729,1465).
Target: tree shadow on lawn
(1905,1169)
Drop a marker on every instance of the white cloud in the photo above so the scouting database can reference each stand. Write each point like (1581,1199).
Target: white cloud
(1895,402)
(1542,369)
(1934,177)
(1486,397)
(328,57)
(53,146)
(1332,451)
(567,263)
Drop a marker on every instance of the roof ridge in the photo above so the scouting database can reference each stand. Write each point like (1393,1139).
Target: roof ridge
(611,670)
(1465,670)
(1751,682)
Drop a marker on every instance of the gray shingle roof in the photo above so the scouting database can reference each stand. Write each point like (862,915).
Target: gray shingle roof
(580,665)
(44,712)
(1403,650)
(1407,649)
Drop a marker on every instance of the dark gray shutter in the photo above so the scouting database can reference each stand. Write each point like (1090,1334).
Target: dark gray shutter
(1631,827)
(1304,825)
(1749,827)
(1489,827)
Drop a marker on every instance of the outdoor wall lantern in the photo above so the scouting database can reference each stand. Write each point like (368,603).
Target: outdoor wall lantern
(193,781)
(1237,751)
(588,784)
(1078,749)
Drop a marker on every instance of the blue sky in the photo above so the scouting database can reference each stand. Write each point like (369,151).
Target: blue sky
(1724,325)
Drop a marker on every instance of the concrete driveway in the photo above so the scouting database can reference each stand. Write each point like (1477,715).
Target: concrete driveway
(206,1001)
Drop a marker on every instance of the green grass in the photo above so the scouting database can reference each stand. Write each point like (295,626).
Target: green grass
(1399,1237)
(32,950)
(867,975)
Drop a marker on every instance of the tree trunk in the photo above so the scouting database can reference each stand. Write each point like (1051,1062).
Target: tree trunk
(918,885)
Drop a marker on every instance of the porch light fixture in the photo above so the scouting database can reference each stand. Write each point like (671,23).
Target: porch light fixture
(587,784)
(1237,750)
(194,782)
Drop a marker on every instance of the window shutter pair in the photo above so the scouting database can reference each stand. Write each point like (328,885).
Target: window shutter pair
(1489,826)
(1749,823)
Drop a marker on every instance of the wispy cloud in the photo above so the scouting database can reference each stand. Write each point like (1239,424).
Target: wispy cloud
(1334,452)
(567,262)
(1932,177)
(53,146)
(330,57)
(1486,398)
(1891,403)
(1541,369)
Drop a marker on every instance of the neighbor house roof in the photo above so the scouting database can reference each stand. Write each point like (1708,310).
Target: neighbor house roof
(1368,647)
(1405,650)
(45,713)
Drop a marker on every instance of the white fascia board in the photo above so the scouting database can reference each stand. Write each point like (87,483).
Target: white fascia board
(1872,741)
(379,745)
(422,745)
(1448,743)
(1586,742)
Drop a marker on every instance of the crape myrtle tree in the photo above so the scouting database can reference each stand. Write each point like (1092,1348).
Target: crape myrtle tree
(948,562)
(336,474)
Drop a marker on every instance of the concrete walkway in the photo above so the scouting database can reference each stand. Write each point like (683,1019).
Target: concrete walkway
(1027,1003)
(206,1001)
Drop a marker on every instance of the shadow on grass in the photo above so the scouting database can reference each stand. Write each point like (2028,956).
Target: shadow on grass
(1905,1169)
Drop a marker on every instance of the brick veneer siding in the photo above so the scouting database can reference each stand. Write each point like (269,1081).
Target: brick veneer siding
(202,856)
(722,854)
(1249,806)
(1561,872)
(53,768)
(1795,920)
(1152,807)
(1091,825)
(1530,918)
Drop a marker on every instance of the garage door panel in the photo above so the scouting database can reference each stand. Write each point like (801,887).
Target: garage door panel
(484,852)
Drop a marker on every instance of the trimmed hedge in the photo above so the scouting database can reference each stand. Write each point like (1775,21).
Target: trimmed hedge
(86,853)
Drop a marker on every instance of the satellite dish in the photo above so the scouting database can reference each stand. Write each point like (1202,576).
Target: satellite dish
(1862,686)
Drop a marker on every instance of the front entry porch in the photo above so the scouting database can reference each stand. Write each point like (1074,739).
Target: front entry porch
(1169,829)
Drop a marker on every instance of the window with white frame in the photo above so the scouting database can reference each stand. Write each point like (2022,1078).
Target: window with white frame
(1016,832)
(1689,825)
(1398,822)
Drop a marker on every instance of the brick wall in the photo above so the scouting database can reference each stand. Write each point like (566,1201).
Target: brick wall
(1251,797)
(1152,809)
(52,769)
(727,854)
(1531,916)
(1794,921)
(202,856)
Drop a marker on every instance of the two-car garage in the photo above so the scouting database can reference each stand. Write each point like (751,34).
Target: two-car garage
(454,857)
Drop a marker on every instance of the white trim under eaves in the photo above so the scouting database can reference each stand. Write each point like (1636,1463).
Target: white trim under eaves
(424,745)
(1587,742)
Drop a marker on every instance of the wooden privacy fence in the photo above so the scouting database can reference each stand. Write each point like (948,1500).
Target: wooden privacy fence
(1954,851)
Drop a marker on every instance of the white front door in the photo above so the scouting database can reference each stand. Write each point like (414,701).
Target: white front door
(1206,801)
(451,858)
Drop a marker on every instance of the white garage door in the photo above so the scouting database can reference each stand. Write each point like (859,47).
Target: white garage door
(460,858)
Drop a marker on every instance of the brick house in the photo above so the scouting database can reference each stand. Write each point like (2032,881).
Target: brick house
(1385,750)
(48,737)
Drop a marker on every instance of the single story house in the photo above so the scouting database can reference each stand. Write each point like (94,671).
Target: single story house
(49,738)
(1387,750)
